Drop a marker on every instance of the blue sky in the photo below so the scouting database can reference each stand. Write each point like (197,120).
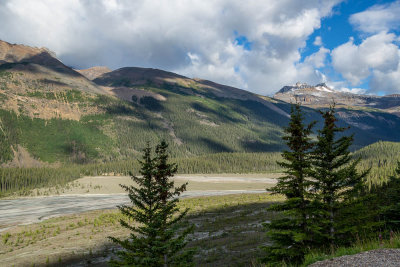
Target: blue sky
(337,29)
(256,45)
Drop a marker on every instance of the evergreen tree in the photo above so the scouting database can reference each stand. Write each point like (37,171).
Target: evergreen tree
(388,198)
(156,237)
(290,234)
(5,148)
(337,185)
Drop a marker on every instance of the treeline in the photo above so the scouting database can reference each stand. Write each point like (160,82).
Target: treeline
(381,157)
(25,179)
(230,163)
(212,163)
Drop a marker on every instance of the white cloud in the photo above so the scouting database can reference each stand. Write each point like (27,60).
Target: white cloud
(377,58)
(353,90)
(194,38)
(388,82)
(377,18)
(318,58)
(376,55)
(317,41)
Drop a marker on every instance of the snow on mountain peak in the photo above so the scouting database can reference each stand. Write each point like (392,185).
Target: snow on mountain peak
(322,87)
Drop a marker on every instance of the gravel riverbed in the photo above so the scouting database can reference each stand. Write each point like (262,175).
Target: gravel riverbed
(372,258)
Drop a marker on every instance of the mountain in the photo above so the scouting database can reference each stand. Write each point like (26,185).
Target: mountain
(321,95)
(53,113)
(94,72)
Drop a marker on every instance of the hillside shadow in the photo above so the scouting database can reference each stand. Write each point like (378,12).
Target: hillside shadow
(119,109)
(52,82)
(260,112)
(43,59)
(373,126)
(134,76)
(214,146)
(221,113)
(151,104)
(258,146)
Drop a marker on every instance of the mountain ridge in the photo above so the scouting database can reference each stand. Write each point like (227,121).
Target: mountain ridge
(58,114)
(321,95)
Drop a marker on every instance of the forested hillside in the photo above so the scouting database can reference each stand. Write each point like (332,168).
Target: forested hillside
(58,116)
(381,157)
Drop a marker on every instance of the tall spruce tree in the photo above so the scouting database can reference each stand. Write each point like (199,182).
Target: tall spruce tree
(337,185)
(290,234)
(156,237)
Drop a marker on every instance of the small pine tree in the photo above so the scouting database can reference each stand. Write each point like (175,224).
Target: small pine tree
(337,184)
(157,238)
(290,234)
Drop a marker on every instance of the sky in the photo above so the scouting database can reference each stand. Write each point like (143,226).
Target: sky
(256,45)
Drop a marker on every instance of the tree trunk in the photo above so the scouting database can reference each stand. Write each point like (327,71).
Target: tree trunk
(332,229)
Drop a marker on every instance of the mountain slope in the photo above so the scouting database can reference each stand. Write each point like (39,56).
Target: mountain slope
(61,115)
(380,125)
(36,84)
(94,72)
(197,116)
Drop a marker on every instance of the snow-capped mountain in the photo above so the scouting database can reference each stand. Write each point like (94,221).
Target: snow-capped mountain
(299,86)
(321,95)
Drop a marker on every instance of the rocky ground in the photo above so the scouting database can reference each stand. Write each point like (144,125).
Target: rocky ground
(372,258)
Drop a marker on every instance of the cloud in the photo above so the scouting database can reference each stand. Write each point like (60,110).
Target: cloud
(317,41)
(377,58)
(388,82)
(318,58)
(377,55)
(196,38)
(353,90)
(377,18)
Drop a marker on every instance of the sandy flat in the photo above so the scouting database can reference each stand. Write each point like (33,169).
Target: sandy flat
(110,184)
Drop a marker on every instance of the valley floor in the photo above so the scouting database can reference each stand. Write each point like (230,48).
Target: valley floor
(228,231)
(104,192)
(197,182)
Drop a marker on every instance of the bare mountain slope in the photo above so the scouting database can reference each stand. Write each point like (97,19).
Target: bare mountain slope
(36,84)
(94,72)
(41,61)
